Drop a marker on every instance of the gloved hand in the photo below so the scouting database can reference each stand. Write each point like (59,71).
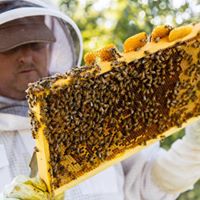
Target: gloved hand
(23,187)
(178,169)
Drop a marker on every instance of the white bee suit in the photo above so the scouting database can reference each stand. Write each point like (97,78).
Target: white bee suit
(16,147)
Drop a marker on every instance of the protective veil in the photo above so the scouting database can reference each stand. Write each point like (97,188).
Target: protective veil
(67,50)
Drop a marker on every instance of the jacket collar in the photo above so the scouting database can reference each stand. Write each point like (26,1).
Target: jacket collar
(13,114)
(15,107)
(11,122)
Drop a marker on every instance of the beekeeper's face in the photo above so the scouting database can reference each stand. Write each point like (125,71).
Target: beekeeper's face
(20,66)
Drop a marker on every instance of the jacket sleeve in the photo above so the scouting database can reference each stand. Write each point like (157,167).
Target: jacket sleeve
(138,179)
(179,169)
(157,174)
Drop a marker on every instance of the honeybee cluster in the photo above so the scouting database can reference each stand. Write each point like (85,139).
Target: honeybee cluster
(97,116)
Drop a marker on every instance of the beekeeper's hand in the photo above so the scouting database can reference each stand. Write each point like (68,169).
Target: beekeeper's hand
(23,187)
(178,169)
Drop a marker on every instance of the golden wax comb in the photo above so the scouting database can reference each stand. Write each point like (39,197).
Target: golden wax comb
(115,105)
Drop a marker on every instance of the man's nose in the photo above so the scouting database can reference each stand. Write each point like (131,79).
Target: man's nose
(25,55)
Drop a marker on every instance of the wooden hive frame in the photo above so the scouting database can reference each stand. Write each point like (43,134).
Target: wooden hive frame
(137,51)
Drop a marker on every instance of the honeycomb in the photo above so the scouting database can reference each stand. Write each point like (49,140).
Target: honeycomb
(96,115)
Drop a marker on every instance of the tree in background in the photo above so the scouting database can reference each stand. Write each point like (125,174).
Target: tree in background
(112,21)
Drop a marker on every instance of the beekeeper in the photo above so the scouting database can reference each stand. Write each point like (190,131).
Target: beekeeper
(37,40)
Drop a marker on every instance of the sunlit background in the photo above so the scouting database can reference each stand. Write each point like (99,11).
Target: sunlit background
(112,21)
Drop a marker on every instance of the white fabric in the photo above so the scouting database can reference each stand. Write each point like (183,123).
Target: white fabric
(107,185)
(16,147)
(138,182)
(178,169)
(96,181)
(9,101)
(3,158)
(193,133)
(4,166)
(13,122)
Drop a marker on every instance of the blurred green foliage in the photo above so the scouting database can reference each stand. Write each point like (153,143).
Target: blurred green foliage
(112,21)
